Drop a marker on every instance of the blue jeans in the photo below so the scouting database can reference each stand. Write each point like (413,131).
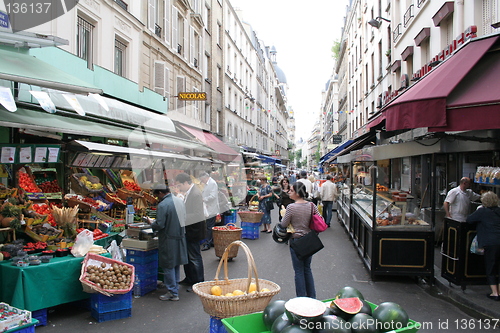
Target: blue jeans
(327,211)
(194,268)
(210,224)
(304,281)
(171,278)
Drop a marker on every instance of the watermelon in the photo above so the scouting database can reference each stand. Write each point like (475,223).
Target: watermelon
(390,316)
(295,329)
(366,308)
(280,324)
(332,324)
(363,323)
(350,305)
(309,309)
(348,292)
(272,311)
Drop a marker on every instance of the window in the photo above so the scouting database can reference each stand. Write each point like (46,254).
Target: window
(120,57)
(153,11)
(207,113)
(166,24)
(84,41)
(196,106)
(207,17)
(181,87)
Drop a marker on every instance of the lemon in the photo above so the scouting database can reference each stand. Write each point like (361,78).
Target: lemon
(216,290)
(253,287)
(264,289)
(238,292)
(229,294)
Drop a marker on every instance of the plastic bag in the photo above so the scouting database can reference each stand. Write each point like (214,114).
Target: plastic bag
(116,252)
(84,240)
(474,247)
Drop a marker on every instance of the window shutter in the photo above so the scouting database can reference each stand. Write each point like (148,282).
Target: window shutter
(191,54)
(151,15)
(159,77)
(167,82)
(175,33)
(186,39)
(167,21)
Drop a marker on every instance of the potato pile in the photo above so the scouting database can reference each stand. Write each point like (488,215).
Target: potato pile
(109,277)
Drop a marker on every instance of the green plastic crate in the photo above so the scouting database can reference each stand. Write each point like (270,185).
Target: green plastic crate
(253,323)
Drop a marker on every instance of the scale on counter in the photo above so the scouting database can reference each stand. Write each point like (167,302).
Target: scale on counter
(141,231)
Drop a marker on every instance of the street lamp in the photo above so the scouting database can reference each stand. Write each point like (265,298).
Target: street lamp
(376,21)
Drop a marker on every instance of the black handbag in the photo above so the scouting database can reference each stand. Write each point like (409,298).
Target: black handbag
(306,245)
(269,204)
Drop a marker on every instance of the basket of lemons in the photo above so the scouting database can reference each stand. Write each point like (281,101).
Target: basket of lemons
(253,204)
(84,184)
(224,298)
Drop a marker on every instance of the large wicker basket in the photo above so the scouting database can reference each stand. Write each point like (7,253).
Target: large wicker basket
(224,237)
(91,287)
(251,217)
(230,306)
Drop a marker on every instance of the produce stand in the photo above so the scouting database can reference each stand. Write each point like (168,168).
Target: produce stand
(254,323)
(42,286)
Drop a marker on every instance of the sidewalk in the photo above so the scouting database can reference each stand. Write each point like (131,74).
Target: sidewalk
(473,298)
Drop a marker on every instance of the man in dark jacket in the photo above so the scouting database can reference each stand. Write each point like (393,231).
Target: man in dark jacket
(172,252)
(195,229)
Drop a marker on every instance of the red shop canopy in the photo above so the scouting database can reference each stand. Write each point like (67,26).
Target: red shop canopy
(452,97)
(225,153)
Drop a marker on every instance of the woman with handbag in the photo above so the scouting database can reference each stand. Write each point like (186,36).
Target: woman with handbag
(299,215)
(265,204)
(487,218)
(284,197)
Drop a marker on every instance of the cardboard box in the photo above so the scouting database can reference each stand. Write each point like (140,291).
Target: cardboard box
(140,244)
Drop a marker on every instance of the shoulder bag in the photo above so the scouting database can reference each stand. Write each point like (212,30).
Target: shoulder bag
(308,244)
(317,222)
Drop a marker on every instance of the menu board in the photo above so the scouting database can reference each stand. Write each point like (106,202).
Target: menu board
(53,154)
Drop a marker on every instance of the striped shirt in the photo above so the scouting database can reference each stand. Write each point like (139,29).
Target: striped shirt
(299,216)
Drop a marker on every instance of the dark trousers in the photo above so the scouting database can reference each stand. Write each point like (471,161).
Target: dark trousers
(194,268)
(327,211)
(492,263)
(210,224)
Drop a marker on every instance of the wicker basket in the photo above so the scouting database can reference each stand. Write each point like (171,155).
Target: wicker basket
(91,287)
(149,197)
(111,197)
(123,194)
(230,306)
(251,217)
(222,238)
(251,207)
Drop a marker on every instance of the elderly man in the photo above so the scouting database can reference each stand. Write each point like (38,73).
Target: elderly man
(172,251)
(328,194)
(211,199)
(457,201)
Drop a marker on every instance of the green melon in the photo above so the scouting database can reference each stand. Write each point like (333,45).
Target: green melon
(272,311)
(347,292)
(363,323)
(332,324)
(390,316)
(280,324)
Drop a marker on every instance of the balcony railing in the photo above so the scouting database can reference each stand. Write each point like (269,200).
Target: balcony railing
(396,33)
(420,3)
(157,30)
(408,15)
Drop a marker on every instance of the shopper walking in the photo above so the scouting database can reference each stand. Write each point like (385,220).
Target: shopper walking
(172,251)
(265,204)
(457,201)
(284,195)
(487,218)
(328,194)
(195,229)
(303,179)
(298,215)
(211,200)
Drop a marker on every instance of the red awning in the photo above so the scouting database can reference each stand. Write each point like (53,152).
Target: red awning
(424,104)
(225,153)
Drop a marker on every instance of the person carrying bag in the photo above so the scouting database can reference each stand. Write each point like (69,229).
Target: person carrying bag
(304,241)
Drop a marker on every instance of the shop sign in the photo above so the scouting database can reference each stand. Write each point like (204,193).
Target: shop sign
(27,154)
(89,160)
(336,139)
(192,96)
(4,20)
(470,32)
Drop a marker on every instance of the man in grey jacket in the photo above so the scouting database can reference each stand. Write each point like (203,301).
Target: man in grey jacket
(329,194)
(172,250)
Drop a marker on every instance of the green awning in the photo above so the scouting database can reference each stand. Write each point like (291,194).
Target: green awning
(42,121)
(19,67)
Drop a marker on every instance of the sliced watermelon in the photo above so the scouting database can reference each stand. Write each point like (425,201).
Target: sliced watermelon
(350,305)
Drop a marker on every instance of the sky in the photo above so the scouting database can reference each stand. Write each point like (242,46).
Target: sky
(303,34)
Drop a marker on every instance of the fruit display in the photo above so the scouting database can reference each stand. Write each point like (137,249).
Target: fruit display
(347,312)
(131,186)
(98,203)
(109,276)
(217,291)
(382,188)
(44,209)
(11,317)
(50,186)
(27,183)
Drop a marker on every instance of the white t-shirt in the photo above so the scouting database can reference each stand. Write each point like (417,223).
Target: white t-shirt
(308,185)
(460,202)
